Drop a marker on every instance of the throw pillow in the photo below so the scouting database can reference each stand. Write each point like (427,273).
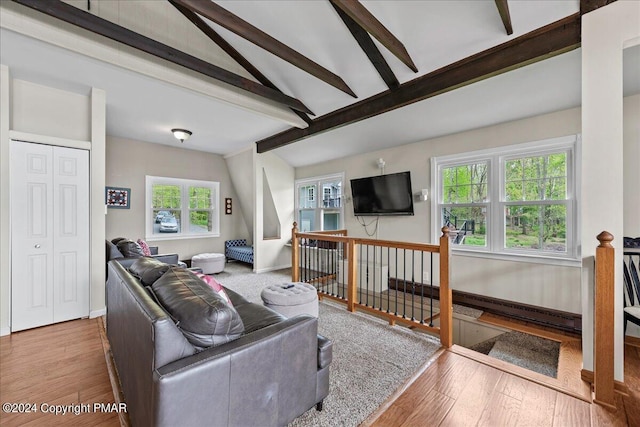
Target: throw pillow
(129,248)
(145,248)
(205,318)
(216,286)
(148,270)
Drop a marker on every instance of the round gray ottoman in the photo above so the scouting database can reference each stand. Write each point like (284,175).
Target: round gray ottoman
(291,299)
(209,263)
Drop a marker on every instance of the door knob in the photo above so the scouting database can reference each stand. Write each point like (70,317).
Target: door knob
(37,246)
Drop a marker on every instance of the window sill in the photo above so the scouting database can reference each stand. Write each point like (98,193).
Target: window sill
(535,259)
(156,238)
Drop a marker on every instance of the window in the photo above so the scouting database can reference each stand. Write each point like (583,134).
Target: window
(517,200)
(181,208)
(325,214)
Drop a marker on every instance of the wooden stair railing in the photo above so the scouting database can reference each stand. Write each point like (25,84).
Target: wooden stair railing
(350,245)
(603,338)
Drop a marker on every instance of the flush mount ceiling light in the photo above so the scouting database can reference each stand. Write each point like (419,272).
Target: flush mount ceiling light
(181,134)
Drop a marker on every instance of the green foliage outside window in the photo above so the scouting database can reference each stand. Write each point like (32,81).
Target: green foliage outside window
(540,226)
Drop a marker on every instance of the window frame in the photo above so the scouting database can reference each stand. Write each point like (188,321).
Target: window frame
(496,199)
(184,209)
(319,208)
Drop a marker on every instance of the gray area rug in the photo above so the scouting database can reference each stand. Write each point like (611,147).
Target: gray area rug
(527,351)
(370,358)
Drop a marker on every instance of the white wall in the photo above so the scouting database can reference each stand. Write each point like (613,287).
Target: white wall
(128,162)
(241,171)
(552,286)
(48,115)
(5,209)
(272,254)
(605,33)
(631,132)
(631,136)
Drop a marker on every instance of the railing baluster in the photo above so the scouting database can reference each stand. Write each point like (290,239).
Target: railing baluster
(413,285)
(431,290)
(397,282)
(388,279)
(404,281)
(422,287)
(334,272)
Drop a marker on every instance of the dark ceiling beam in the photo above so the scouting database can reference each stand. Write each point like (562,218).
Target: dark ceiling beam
(587,6)
(370,23)
(230,50)
(237,25)
(503,9)
(369,48)
(550,40)
(95,24)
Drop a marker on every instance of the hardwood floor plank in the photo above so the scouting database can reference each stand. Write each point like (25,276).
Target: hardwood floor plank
(632,381)
(454,380)
(434,411)
(571,412)
(416,393)
(512,386)
(538,406)
(602,416)
(60,364)
(569,367)
(476,393)
(503,411)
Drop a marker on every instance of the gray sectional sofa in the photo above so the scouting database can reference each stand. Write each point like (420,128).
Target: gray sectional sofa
(262,369)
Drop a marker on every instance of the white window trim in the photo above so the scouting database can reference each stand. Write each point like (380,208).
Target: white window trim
(317,180)
(184,222)
(496,158)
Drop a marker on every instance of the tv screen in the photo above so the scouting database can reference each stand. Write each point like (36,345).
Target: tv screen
(382,195)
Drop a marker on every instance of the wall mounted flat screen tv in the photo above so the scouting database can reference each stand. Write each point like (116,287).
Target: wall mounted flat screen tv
(382,195)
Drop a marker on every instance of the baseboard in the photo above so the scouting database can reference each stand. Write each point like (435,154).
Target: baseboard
(5,331)
(562,320)
(618,386)
(97,313)
(268,269)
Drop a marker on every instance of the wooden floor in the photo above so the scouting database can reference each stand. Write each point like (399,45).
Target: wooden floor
(64,364)
(61,364)
(458,391)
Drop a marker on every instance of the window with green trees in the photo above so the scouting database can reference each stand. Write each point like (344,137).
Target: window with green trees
(517,199)
(178,208)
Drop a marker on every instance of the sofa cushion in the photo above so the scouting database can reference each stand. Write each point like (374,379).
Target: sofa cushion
(204,317)
(129,248)
(148,270)
(112,251)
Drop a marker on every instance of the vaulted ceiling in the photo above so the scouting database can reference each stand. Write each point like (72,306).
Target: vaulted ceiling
(351,76)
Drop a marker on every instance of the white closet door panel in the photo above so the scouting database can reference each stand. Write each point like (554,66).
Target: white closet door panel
(71,233)
(32,239)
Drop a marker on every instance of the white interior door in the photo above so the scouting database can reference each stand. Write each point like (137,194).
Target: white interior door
(49,234)
(71,233)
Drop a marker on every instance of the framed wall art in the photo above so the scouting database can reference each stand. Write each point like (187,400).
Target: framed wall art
(117,197)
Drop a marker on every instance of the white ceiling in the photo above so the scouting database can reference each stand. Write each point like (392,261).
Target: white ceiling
(435,33)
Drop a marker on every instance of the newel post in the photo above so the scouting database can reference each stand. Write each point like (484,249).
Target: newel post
(603,348)
(295,254)
(446,299)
